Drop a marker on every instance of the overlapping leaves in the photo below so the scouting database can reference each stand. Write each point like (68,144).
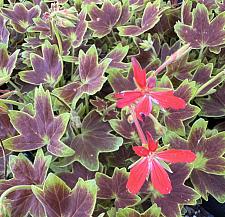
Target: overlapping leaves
(209,167)
(59,200)
(24,172)
(115,188)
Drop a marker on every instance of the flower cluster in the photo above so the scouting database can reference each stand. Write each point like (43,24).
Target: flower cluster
(152,159)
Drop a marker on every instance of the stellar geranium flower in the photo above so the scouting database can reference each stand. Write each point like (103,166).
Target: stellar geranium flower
(152,161)
(146,93)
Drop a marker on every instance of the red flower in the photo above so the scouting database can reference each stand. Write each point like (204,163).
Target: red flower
(150,162)
(145,94)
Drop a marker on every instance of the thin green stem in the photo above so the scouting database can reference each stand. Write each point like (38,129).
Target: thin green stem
(210,81)
(201,53)
(142,200)
(114,36)
(4,159)
(67,106)
(138,127)
(72,66)
(55,30)
(17,89)
(11,102)
(87,103)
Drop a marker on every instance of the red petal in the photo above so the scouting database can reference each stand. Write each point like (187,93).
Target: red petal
(139,73)
(166,99)
(127,98)
(141,151)
(138,175)
(177,156)
(152,145)
(143,107)
(160,179)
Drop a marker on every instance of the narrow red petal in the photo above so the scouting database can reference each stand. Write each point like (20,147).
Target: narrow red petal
(138,175)
(152,145)
(160,179)
(139,73)
(166,99)
(141,151)
(177,156)
(143,107)
(127,98)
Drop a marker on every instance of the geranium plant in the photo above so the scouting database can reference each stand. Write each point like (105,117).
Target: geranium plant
(111,107)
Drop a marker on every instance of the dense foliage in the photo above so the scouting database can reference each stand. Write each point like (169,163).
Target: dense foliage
(111,107)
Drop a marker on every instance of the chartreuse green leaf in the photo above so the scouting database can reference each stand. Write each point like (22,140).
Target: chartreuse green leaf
(42,129)
(24,172)
(59,200)
(209,167)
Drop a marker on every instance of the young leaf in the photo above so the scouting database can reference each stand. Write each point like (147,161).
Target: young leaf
(76,33)
(59,200)
(209,166)
(153,211)
(181,194)
(24,173)
(115,188)
(104,19)
(39,130)
(94,139)
(151,16)
(7,64)
(202,31)
(47,69)
(21,17)
(4,33)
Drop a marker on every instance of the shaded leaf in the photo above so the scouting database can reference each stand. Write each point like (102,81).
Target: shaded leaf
(47,69)
(39,130)
(25,173)
(59,200)
(4,33)
(205,81)
(115,188)
(209,164)
(78,171)
(214,104)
